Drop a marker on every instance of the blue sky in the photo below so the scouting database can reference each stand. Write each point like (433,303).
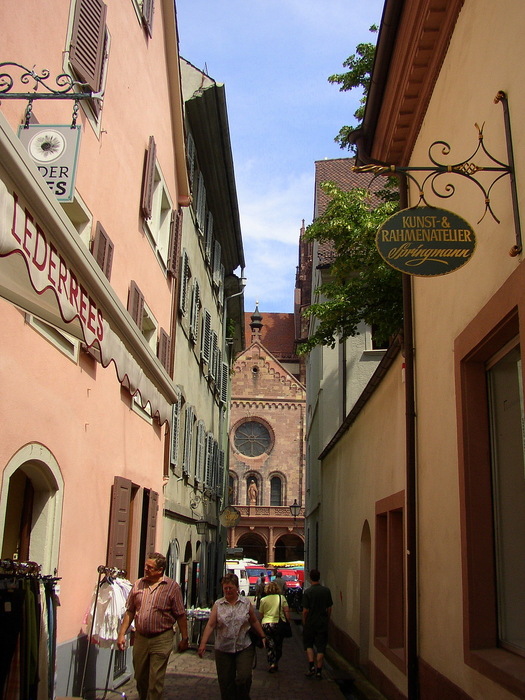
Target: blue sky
(274,57)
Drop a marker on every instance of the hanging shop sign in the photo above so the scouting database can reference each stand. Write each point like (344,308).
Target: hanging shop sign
(54,149)
(426,241)
(229,517)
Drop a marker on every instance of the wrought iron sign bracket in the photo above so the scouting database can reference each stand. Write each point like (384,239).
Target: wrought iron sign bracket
(66,88)
(465,168)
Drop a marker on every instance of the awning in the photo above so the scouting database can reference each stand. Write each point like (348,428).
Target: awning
(46,270)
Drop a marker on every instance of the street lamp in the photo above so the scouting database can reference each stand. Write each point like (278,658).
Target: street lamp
(201,527)
(295,509)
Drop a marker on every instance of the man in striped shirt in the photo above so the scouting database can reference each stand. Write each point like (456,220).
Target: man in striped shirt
(155,605)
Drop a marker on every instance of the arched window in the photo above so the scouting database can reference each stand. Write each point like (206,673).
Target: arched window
(31,507)
(276,491)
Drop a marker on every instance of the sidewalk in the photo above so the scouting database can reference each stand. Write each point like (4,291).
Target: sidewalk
(192,678)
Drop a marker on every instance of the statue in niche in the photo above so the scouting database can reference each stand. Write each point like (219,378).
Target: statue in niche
(252,493)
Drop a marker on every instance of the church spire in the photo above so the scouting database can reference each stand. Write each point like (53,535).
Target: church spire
(256,324)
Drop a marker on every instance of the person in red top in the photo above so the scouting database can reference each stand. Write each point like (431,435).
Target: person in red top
(155,605)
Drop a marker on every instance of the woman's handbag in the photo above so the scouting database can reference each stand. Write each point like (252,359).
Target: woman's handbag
(255,639)
(283,626)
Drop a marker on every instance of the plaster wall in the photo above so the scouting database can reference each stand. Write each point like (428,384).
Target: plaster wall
(485,44)
(359,471)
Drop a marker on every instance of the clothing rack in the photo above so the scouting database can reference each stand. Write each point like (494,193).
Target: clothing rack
(19,569)
(24,580)
(111,572)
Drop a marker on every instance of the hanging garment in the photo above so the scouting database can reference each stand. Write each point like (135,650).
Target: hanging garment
(106,611)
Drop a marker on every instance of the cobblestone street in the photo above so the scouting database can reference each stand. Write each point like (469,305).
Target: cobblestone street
(192,678)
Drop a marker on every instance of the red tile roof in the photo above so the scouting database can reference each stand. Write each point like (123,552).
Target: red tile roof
(277,333)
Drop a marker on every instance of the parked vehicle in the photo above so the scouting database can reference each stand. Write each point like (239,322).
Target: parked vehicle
(239,568)
(254,572)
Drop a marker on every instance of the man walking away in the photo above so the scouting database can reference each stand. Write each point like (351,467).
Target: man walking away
(281,583)
(317,608)
(155,604)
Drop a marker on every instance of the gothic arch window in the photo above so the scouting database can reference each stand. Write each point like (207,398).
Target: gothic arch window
(252,438)
(276,491)
(31,507)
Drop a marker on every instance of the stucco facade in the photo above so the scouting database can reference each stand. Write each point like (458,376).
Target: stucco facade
(89,302)
(440,612)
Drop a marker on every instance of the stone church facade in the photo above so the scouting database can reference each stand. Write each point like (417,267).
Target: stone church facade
(267,442)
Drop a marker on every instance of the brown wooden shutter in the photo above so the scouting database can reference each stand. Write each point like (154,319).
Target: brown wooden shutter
(86,51)
(136,303)
(148,179)
(175,240)
(151,536)
(163,350)
(102,249)
(119,523)
(148,8)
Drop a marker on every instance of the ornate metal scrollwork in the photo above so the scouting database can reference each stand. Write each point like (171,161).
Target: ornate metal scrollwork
(466,168)
(66,86)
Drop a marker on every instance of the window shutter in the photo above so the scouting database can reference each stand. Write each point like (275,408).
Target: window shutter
(136,303)
(188,440)
(175,430)
(102,250)
(225,377)
(119,523)
(206,337)
(220,291)
(216,262)
(201,451)
(148,8)
(184,282)
(86,51)
(164,347)
(208,474)
(191,156)
(213,356)
(175,240)
(200,210)
(209,237)
(151,537)
(194,315)
(148,179)
(215,476)
(220,476)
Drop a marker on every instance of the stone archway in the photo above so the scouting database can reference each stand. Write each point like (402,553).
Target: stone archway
(289,547)
(254,547)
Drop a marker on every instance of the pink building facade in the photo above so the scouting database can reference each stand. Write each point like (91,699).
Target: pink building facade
(89,285)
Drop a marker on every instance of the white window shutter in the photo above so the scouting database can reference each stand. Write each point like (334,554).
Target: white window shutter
(206,337)
(201,451)
(184,282)
(175,430)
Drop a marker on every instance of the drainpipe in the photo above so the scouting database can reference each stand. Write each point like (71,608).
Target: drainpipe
(411,482)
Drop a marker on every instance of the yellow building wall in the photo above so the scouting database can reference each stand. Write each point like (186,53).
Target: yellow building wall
(483,57)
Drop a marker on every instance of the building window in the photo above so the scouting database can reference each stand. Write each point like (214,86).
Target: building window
(31,507)
(507,442)
(156,205)
(276,489)
(389,622)
(491,465)
(252,439)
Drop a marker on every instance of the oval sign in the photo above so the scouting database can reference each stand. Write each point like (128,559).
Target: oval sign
(426,241)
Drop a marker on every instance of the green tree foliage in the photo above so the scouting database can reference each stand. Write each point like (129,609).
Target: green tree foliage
(362,287)
(358,76)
